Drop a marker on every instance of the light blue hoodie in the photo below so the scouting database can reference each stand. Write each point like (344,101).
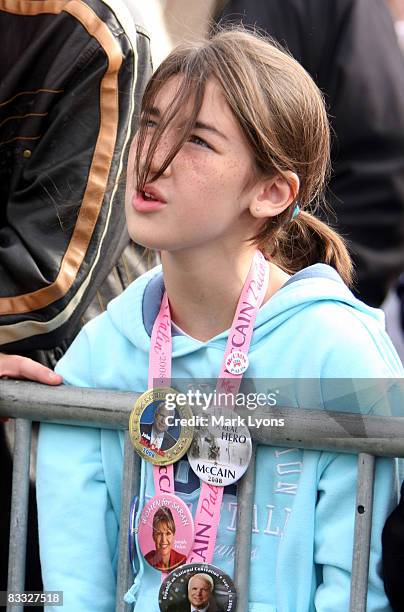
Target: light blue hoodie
(312,328)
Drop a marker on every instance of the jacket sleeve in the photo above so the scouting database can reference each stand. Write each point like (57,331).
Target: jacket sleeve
(350,49)
(74,504)
(65,129)
(334,522)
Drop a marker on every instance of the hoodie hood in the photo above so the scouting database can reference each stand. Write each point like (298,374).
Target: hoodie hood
(135,311)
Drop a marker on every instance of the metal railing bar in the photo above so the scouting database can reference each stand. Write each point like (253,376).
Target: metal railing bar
(307,424)
(92,407)
(130,487)
(313,429)
(19,510)
(245,501)
(362,533)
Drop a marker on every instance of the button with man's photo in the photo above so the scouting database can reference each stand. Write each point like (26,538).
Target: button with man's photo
(197,586)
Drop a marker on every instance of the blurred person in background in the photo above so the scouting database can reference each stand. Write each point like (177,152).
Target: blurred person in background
(71,81)
(350,49)
(393,533)
(393,306)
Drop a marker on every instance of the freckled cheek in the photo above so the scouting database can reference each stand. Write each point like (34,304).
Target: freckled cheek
(232,177)
(203,183)
(208,181)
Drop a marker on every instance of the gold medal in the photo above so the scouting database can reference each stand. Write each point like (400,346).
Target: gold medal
(159,428)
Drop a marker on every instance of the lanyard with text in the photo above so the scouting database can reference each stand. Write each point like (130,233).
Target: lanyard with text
(208,511)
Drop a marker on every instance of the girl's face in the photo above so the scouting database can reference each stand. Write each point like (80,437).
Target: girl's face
(200,199)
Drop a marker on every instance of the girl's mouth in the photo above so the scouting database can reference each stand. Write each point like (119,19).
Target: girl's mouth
(146,202)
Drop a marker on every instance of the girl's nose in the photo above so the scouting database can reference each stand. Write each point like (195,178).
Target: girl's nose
(160,155)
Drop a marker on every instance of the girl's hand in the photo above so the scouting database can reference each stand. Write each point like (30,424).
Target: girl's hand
(15,366)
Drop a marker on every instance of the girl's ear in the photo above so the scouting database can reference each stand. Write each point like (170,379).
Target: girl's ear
(272,196)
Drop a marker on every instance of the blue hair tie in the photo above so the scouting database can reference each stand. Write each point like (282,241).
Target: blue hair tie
(296,211)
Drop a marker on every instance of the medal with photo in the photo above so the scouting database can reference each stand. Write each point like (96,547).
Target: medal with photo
(160,432)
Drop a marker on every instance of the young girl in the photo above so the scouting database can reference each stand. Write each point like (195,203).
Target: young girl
(231,157)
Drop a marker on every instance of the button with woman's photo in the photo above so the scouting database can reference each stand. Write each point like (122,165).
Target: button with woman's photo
(166,532)
(160,430)
(197,586)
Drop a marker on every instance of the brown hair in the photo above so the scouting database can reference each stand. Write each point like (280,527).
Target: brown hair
(281,113)
(164,515)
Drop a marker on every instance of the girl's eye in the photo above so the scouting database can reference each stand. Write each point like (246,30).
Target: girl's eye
(199,141)
(149,123)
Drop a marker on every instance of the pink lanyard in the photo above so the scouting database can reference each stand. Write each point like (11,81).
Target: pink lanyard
(207,515)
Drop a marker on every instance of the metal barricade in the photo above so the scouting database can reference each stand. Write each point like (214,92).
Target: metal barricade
(306,429)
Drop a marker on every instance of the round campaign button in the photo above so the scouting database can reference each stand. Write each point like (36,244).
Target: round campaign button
(160,430)
(197,586)
(132,534)
(166,532)
(221,448)
(236,362)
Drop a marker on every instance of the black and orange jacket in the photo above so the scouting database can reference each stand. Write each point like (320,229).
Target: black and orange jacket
(71,77)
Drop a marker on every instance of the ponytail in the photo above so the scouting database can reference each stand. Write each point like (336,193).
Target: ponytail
(303,241)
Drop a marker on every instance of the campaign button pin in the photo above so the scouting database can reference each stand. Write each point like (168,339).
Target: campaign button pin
(237,362)
(221,448)
(160,430)
(166,532)
(197,586)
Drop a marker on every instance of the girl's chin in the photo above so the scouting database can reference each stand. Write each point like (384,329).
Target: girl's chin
(158,240)
(150,242)
(145,241)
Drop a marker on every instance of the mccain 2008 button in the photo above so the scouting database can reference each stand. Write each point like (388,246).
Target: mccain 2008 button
(221,449)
